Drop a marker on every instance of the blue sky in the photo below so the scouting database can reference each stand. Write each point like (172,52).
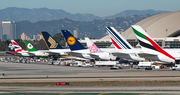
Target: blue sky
(97,7)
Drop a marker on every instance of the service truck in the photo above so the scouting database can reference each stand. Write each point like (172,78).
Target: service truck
(176,67)
(105,63)
(145,65)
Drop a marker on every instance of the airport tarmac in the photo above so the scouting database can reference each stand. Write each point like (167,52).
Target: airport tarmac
(169,90)
(38,72)
(42,72)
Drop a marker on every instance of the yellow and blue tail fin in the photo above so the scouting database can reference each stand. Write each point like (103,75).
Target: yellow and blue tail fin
(51,43)
(73,43)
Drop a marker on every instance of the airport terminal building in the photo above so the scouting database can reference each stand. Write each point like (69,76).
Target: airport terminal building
(163,28)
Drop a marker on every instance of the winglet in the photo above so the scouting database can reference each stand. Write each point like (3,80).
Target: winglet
(73,43)
(118,41)
(51,43)
(29,46)
(92,47)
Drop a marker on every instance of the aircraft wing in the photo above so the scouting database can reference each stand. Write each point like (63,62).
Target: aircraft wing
(94,56)
(120,54)
(76,58)
(53,53)
(77,54)
(146,55)
(31,54)
(131,56)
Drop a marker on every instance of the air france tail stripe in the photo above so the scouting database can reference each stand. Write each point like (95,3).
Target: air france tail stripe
(116,39)
(119,38)
(115,44)
(119,43)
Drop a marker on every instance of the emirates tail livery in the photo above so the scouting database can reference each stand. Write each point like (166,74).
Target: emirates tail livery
(151,49)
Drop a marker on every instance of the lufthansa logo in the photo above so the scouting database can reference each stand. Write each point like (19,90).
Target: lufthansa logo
(52,42)
(71,40)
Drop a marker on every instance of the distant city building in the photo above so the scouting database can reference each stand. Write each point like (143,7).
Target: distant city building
(8,30)
(35,37)
(4,36)
(23,36)
(27,38)
(1,30)
(75,33)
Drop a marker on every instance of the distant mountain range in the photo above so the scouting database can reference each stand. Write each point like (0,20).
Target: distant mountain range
(45,14)
(128,13)
(93,29)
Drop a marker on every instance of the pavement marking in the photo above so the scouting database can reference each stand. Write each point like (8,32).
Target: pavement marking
(45,74)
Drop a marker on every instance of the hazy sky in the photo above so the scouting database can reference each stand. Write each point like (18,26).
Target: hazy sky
(96,7)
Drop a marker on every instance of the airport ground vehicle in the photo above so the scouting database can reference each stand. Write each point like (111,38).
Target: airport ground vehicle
(2,59)
(76,63)
(86,64)
(105,63)
(176,67)
(147,65)
(143,65)
(114,67)
(63,61)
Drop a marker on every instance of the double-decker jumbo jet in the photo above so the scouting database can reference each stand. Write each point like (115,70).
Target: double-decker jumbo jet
(34,52)
(77,49)
(123,48)
(55,48)
(18,51)
(151,50)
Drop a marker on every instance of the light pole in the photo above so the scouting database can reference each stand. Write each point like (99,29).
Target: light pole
(166,37)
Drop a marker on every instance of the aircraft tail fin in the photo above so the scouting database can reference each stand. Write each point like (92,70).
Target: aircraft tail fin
(147,43)
(92,47)
(51,43)
(16,47)
(73,43)
(29,46)
(118,41)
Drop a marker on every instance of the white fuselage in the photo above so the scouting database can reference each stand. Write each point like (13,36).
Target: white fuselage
(131,54)
(40,53)
(24,53)
(85,53)
(60,51)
